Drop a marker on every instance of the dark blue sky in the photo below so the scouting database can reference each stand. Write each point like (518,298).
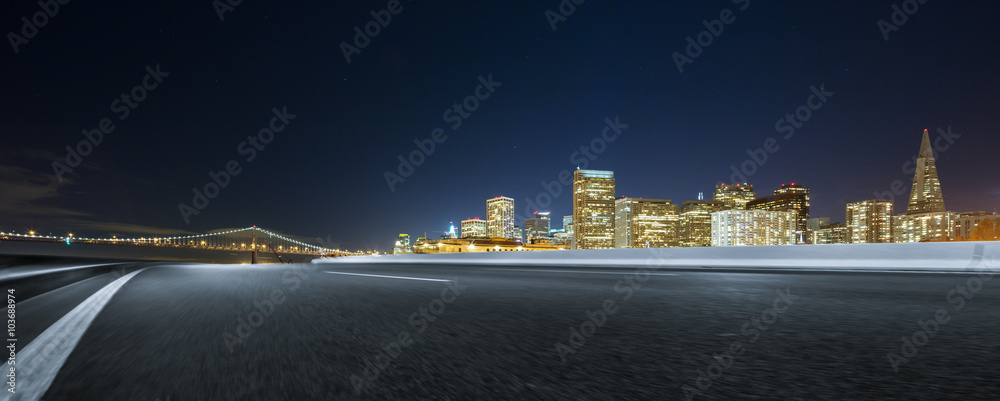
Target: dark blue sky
(323,175)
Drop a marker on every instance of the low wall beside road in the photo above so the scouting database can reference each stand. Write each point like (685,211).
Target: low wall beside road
(906,256)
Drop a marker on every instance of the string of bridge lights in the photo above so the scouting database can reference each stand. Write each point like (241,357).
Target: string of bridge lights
(70,237)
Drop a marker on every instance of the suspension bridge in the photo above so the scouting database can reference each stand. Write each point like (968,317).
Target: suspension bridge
(254,240)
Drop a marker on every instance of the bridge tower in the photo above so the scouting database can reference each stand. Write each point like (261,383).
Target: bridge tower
(253,247)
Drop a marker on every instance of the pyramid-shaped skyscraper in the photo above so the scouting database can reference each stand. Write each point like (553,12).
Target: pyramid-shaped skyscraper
(925,194)
(926,218)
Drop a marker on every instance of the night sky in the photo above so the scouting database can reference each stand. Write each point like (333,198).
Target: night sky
(324,174)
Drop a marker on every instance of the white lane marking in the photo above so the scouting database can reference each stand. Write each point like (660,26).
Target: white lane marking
(376,275)
(28,271)
(626,271)
(40,361)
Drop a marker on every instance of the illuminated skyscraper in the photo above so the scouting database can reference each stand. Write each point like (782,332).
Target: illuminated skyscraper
(474,228)
(646,223)
(735,196)
(696,222)
(869,221)
(926,218)
(789,198)
(925,194)
(752,227)
(593,209)
(500,218)
(537,227)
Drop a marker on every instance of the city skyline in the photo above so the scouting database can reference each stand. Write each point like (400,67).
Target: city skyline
(815,94)
(737,216)
(927,198)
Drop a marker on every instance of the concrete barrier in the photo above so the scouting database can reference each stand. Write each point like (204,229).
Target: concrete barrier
(953,256)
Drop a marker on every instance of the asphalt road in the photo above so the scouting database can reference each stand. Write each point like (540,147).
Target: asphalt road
(301,332)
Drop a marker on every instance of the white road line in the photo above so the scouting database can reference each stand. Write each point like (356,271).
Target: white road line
(28,271)
(39,362)
(625,271)
(376,275)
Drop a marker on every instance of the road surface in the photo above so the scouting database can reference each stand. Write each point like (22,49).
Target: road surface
(342,331)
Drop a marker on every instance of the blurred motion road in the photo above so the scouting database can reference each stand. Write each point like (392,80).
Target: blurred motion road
(343,331)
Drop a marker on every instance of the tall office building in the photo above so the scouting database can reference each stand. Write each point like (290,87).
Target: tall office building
(926,218)
(500,217)
(568,224)
(752,227)
(537,226)
(518,234)
(696,222)
(925,194)
(646,223)
(869,221)
(474,228)
(735,196)
(789,198)
(593,209)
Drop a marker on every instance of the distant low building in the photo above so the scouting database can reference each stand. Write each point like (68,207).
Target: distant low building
(965,223)
(464,245)
(836,233)
(923,227)
(562,239)
(402,245)
(753,227)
